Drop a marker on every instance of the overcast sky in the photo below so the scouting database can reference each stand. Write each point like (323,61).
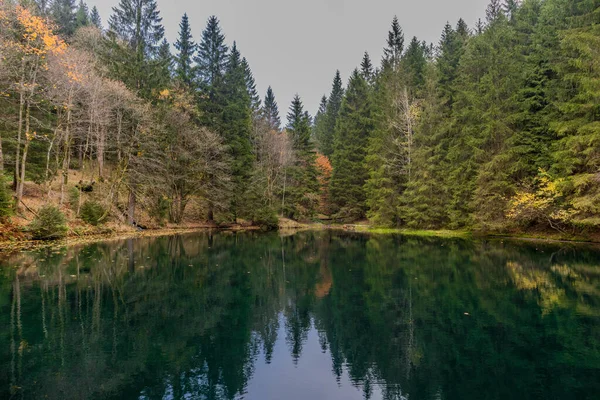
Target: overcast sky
(296,46)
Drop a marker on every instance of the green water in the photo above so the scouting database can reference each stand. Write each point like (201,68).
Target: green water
(311,316)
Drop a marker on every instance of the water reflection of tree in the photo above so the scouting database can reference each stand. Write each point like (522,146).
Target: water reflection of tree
(191,315)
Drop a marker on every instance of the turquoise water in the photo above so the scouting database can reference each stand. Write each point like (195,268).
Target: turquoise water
(318,315)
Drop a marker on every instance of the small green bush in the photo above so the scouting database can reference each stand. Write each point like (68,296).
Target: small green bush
(50,223)
(74,196)
(5,201)
(92,212)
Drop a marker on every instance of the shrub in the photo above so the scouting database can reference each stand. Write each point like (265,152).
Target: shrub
(92,212)
(74,196)
(50,223)
(5,201)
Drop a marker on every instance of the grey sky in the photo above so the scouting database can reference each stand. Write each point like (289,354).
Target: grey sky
(296,46)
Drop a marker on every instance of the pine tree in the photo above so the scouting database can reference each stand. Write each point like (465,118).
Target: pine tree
(212,53)
(302,192)
(333,109)
(82,16)
(137,23)
(236,127)
(366,68)
(395,45)
(186,48)
(350,149)
(579,93)
(493,11)
(63,13)
(414,65)
(165,62)
(211,61)
(271,111)
(251,87)
(320,124)
(95,18)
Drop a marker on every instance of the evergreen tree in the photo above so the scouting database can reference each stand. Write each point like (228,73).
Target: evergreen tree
(320,121)
(82,16)
(493,11)
(251,87)
(95,18)
(350,149)
(395,45)
(302,192)
(139,24)
(271,111)
(333,109)
(63,13)
(579,92)
(165,62)
(366,68)
(414,65)
(211,61)
(186,48)
(236,127)
(212,54)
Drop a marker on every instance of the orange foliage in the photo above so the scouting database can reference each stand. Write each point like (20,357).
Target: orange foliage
(34,35)
(325,170)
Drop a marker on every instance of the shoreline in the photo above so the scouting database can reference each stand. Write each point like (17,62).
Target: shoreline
(17,245)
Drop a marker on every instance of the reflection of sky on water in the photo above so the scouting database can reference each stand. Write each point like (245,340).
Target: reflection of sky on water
(311,379)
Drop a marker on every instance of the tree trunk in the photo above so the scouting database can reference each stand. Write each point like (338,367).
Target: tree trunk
(100,149)
(1,157)
(131,206)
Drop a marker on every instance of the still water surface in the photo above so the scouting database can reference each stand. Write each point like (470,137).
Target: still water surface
(316,315)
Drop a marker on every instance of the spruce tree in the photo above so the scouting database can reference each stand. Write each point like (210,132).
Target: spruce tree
(82,16)
(137,23)
(63,13)
(271,111)
(211,61)
(320,121)
(236,127)
(366,69)
(251,87)
(95,18)
(395,45)
(186,48)
(165,62)
(212,54)
(350,149)
(302,192)
(333,109)
(414,65)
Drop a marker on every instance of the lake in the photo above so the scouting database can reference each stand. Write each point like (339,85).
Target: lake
(315,315)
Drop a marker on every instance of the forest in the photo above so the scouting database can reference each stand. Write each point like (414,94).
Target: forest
(496,127)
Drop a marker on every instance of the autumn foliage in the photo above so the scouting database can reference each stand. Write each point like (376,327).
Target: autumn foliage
(324,170)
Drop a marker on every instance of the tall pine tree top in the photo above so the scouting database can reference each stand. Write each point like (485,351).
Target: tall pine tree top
(395,44)
(186,48)
(82,16)
(63,12)
(95,18)
(212,53)
(333,111)
(271,111)
(366,68)
(299,125)
(251,87)
(415,63)
(138,22)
